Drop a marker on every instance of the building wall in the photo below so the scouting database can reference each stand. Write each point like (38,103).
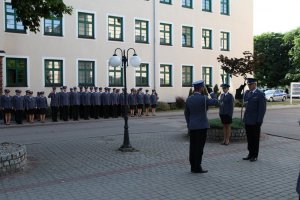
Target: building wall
(70,48)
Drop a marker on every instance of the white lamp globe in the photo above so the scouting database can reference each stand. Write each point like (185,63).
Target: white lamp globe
(135,61)
(115,61)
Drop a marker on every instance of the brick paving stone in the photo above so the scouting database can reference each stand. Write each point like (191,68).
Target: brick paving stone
(81,161)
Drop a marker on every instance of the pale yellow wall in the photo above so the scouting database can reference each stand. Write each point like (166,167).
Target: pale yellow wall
(70,48)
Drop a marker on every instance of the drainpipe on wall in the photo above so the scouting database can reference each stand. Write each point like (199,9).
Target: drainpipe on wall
(154,44)
(2,55)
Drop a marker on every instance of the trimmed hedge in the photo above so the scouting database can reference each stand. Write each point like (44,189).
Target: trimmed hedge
(216,123)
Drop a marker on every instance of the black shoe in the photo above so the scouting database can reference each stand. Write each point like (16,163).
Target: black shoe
(201,170)
(247,158)
(253,159)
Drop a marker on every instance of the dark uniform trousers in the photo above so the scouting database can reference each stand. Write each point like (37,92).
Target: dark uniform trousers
(71,112)
(19,116)
(197,142)
(115,111)
(106,111)
(100,111)
(61,112)
(54,111)
(65,111)
(81,111)
(86,112)
(96,111)
(253,134)
(75,112)
(92,111)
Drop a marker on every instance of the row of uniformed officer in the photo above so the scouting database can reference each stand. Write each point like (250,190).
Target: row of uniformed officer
(19,104)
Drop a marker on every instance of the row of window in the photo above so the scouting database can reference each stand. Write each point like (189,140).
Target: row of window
(86,29)
(206,5)
(16,74)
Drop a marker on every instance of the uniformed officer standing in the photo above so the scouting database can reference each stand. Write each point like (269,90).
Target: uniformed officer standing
(100,111)
(153,101)
(86,102)
(18,104)
(60,103)
(114,103)
(147,102)
(7,106)
(122,102)
(118,103)
(197,123)
(95,103)
(91,100)
(255,103)
(140,101)
(132,102)
(106,103)
(42,105)
(54,103)
(65,103)
(81,108)
(71,96)
(226,112)
(76,103)
(31,106)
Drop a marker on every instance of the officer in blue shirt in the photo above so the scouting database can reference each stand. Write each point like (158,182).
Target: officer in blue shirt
(60,103)
(42,105)
(100,111)
(147,102)
(153,101)
(65,103)
(54,103)
(105,97)
(197,123)
(18,104)
(226,112)
(255,103)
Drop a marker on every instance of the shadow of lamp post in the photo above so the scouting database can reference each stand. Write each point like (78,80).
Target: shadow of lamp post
(116,61)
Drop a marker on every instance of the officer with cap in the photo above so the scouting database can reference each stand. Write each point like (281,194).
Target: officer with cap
(31,106)
(226,112)
(60,103)
(42,105)
(86,98)
(18,104)
(92,111)
(81,108)
(140,101)
(71,99)
(255,103)
(153,101)
(65,103)
(197,123)
(7,106)
(76,103)
(106,103)
(25,108)
(95,103)
(122,102)
(100,108)
(132,101)
(147,102)
(54,103)
(118,102)
(114,103)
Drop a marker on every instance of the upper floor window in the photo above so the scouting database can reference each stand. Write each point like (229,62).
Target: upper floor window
(115,28)
(166,1)
(11,24)
(225,41)
(187,3)
(86,27)
(206,5)
(53,26)
(206,39)
(225,7)
(16,72)
(141,31)
(165,34)
(187,36)
(207,75)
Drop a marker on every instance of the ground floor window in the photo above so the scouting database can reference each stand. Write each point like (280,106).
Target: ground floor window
(53,73)
(115,76)
(16,72)
(165,75)
(86,73)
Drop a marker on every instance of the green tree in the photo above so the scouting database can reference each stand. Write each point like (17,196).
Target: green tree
(272,59)
(30,12)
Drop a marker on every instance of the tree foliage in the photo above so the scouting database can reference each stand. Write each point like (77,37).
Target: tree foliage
(238,66)
(30,12)
(272,56)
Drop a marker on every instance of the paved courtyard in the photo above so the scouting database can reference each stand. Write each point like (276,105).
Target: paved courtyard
(81,161)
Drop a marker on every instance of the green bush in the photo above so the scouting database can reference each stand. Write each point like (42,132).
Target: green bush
(180,102)
(216,123)
(162,106)
(238,103)
(173,106)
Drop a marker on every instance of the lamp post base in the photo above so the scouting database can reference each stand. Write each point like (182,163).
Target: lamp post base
(127,149)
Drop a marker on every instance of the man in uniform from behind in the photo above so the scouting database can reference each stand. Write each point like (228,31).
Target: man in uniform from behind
(54,104)
(197,123)
(255,103)
(18,104)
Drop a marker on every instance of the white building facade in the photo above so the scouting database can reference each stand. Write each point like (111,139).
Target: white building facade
(178,41)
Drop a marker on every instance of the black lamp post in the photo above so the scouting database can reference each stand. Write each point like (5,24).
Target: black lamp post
(116,61)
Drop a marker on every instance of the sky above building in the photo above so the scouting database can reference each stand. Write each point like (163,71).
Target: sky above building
(276,16)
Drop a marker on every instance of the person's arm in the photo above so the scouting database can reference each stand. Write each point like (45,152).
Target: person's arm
(261,108)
